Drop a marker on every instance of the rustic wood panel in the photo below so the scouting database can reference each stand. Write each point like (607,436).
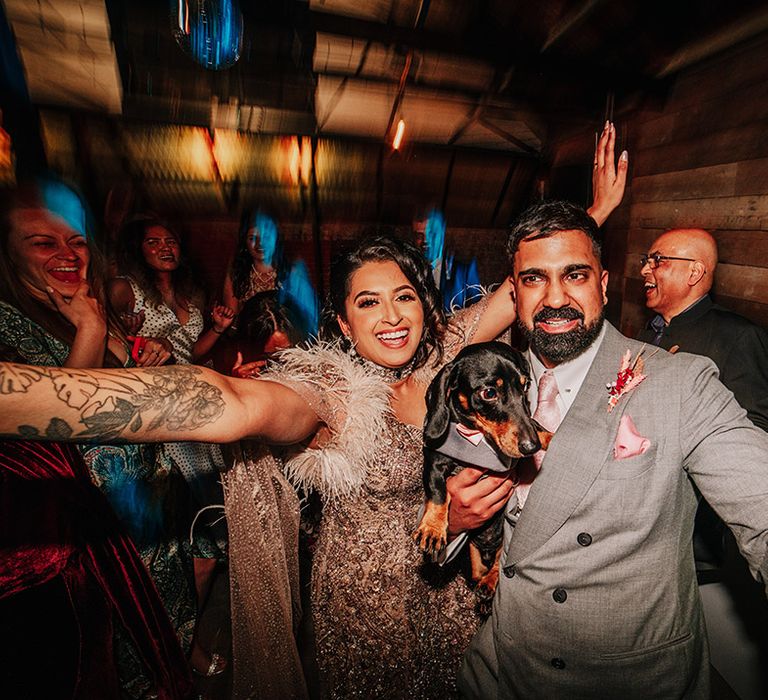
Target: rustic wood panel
(738,67)
(726,111)
(726,146)
(698,183)
(726,180)
(737,213)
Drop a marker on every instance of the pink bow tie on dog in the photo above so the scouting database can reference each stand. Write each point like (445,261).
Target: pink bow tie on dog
(629,443)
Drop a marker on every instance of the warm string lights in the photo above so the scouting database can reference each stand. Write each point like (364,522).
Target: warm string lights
(399,132)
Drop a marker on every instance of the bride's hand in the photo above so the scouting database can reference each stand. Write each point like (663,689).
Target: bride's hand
(608,179)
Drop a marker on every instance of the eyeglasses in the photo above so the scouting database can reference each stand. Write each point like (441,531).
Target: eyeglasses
(653,259)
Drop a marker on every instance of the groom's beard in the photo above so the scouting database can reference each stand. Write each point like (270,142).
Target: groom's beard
(561,347)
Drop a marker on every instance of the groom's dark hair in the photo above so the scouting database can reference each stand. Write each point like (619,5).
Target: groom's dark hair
(547,218)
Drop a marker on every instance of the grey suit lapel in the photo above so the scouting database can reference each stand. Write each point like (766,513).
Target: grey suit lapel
(576,454)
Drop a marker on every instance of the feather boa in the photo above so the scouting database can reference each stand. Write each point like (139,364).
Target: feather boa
(356,399)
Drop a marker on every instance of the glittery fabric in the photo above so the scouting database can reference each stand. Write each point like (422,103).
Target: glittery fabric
(263,520)
(387,625)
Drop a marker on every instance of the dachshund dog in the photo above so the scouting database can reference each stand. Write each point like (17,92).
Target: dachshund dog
(477,414)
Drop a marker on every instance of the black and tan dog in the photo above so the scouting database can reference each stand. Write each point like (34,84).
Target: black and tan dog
(477,414)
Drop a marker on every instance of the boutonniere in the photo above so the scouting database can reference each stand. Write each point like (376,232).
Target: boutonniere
(628,377)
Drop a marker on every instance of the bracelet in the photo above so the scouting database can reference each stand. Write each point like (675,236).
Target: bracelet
(213,328)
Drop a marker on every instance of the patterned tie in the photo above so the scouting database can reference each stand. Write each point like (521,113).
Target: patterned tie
(547,411)
(547,414)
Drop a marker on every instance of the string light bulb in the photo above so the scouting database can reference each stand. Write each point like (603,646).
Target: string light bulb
(398,135)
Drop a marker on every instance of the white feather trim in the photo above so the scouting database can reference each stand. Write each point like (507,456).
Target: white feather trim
(352,400)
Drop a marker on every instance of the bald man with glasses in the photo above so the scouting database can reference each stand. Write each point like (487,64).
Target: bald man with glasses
(679,272)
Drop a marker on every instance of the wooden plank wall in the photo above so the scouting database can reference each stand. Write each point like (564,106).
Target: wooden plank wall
(698,158)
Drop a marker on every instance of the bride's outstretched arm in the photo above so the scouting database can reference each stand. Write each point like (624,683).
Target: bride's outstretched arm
(162,404)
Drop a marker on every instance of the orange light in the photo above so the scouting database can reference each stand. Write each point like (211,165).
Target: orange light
(294,160)
(306,159)
(398,135)
(200,161)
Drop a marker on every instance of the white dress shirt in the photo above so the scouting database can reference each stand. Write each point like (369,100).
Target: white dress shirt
(569,375)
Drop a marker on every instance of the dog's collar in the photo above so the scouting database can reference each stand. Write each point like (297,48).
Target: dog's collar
(462,444)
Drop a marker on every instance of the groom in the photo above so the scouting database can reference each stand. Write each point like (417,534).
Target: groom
(597,596)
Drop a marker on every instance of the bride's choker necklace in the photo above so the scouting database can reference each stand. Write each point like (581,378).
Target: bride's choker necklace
(390,375)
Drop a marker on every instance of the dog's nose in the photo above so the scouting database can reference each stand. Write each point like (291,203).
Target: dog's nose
(529,446)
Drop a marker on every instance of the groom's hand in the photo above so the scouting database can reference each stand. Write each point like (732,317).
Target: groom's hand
(476,495)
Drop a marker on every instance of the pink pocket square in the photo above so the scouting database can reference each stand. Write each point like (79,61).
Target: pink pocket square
(629,443)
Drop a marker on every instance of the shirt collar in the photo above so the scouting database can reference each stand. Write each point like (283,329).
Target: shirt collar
(569,375)
(691,313)
(694,312)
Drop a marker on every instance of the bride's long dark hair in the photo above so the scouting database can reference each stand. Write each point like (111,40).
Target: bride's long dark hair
(416,269)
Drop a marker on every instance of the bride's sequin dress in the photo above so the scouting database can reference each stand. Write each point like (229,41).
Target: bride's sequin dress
(386,624)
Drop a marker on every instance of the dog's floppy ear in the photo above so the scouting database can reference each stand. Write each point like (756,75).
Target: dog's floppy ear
(438,412)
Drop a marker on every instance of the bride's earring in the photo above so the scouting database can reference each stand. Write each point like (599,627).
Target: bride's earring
(351,351)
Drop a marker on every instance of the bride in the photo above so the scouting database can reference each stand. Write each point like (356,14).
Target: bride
(351,410)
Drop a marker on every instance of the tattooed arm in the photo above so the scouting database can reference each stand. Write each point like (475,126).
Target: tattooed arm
(162,404)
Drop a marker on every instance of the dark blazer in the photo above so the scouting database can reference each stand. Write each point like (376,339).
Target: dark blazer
(737,346)
(598,595)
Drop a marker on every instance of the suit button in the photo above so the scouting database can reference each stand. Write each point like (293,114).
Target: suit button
(509,571)
(558,663)
(584,539)
(560,595)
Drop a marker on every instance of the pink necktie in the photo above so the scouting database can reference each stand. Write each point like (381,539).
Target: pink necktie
(547,411)
(547,414)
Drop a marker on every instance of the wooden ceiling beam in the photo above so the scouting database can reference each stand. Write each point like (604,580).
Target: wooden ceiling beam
(516,142)
(501,53)
(570,22)
(737,31)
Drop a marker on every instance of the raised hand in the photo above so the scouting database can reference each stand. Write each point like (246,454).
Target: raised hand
(608,178)
(222,317)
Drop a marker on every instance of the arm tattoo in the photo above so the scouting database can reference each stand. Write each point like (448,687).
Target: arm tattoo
(111,406)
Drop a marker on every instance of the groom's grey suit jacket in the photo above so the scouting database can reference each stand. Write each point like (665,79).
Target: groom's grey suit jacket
(598,595)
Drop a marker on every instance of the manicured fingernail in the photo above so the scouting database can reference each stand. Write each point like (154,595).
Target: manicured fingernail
(607,125)
(624,156)
(49,290)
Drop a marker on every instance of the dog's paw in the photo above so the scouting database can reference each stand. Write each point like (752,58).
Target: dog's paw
(432,533)
(485,589)
(430,539)
(483,606)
